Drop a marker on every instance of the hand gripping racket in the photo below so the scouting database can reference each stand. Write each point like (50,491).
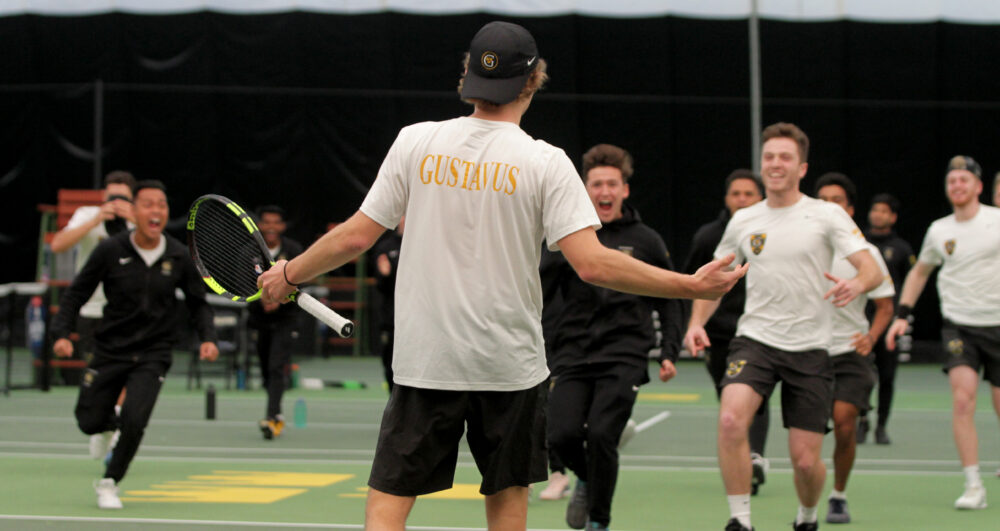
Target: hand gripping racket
(230,254)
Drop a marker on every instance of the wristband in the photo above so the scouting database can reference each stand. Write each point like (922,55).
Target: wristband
(284,273)
(904,311)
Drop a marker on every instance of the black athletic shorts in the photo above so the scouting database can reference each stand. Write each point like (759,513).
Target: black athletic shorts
(807,392)
(973,346)
(421,429)
(853,379)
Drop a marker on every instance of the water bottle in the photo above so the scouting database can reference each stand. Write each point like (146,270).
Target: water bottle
(210,402)
(34,319)
(300,413)
(906,341)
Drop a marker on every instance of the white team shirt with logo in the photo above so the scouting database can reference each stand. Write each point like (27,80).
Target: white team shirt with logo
(789,249)
(479,197)
(968,253)
(851,319)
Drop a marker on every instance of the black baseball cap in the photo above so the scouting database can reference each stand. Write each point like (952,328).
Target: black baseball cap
(962,162)
(501,57)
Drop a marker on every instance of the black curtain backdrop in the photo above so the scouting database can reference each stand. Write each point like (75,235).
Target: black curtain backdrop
(298,109)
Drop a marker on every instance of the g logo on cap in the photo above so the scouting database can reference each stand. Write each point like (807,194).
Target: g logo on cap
(489,60)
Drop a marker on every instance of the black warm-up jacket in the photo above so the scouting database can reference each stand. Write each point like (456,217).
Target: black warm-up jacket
(141,317)
(586,324)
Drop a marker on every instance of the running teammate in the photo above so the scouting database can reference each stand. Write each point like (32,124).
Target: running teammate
(790,241)
(140,271)
(853,340)
(966,244)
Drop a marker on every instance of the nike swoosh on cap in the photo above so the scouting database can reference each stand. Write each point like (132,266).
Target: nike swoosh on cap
(532,60)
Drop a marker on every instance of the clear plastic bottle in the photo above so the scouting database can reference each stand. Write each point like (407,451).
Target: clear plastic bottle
(300,413)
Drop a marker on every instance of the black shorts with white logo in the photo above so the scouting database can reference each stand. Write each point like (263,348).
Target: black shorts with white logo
(421,429)
(973,346)
(807,391)
(853,379)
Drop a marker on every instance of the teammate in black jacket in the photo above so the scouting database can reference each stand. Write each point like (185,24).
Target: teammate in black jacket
(274,323)
(140,271)
(743,189)
(899,258)
(602,340)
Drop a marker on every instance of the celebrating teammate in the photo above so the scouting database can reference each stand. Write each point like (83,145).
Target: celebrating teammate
(479,195)
(790,241)
(602,343)
(140,271)
(966,244)
(853,341)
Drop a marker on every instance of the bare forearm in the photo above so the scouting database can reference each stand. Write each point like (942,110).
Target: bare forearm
(65,239)
(913,285)
(702,311)
(618,271)
(335,248)
(882,317)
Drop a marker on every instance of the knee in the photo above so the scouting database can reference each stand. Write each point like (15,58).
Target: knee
(603,437)
(731,426)
(562,435)
(963,404)
(805,464)
(91,425)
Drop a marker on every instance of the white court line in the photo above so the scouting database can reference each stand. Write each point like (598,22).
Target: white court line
(196,423)
(218,522)
(650,422)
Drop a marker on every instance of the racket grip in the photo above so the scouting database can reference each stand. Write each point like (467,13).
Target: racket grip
(317,309)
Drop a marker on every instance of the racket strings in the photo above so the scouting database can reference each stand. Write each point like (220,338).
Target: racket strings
(229,252)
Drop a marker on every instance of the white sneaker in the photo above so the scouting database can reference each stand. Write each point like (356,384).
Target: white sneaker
(100,443)
(760,466)
(107,494)
(627,434)
(974,497)
(557,489)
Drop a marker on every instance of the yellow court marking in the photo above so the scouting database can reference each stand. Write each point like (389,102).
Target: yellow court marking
(459,491)
(669,397)
(230,486)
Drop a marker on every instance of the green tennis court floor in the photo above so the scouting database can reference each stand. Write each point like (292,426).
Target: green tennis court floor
(193,473)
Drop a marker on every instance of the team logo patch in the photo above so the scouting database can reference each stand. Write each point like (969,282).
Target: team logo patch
(735,367)
(956,347)
(88,377)
(626,249)
(166,268)
(949,246)
(757,242)
(887,254)
(489,60)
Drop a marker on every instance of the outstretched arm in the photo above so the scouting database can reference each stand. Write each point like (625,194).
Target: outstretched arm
(608,268)
(337,247)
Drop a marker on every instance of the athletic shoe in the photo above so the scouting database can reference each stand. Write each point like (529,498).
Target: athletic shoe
(837,512)
(627,434)
(107,494)
(760,466)
(974,497)
(557,489)
(862,432)
(100,444)
(805,526)
(594,526)
(576,510)
(735,525)
(272,427)
(881,437)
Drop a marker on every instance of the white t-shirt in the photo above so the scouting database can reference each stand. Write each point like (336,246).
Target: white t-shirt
(479,198)
(789,249)
(93,308)
(149,256)
(851,319)
(969,281)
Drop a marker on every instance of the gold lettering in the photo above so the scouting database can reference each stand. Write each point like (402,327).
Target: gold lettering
(468,165)
(512,180)
(496,173)
(429,174)
(453,180)
(437,171)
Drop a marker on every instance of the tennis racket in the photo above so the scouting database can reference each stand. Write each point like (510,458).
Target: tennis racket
(230,254)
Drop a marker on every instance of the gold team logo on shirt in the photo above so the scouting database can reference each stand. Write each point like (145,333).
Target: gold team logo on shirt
(735,367)
(887,253)
(166,268)
(956,347)
(626,249)
(757,242)
(949,246)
